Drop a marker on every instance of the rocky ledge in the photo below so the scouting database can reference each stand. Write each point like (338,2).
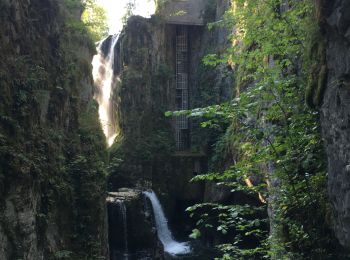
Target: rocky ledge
(124,194)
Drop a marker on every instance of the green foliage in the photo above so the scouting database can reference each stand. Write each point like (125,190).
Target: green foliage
(95,19)
(232,221)
(272,137)
(145,134)
(316,62)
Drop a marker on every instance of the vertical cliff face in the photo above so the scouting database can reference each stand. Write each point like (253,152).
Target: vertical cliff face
(141,96)
(335,19)
(146,64)
(51,154)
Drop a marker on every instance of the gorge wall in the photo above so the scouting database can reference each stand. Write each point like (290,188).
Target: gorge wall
(52,178)
(146,155)
(335,109)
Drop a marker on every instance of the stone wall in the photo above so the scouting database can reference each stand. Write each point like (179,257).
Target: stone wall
(189,12)
(335,111)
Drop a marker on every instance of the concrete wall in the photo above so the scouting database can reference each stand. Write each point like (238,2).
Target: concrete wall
(188,12)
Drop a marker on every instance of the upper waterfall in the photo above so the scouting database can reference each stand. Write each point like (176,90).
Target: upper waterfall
(164,234)
(104,79)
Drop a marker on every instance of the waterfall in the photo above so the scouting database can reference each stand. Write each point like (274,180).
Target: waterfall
(117,229)
(122,211)
(164,234)
(104,79)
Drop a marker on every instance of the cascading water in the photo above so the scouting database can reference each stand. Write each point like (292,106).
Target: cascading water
(122,210)
(164,234)
(104,79)
(118,230)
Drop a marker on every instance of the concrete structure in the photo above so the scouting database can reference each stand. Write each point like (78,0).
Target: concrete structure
(183,15)
(185,12)
(182,97)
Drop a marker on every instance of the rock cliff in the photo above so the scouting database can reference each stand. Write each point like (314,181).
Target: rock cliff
(52,181)
(335,111)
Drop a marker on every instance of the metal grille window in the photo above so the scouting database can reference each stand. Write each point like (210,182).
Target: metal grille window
(181,81)
(182,97)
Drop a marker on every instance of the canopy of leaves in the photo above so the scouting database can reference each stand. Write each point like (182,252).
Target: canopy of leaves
(94,18)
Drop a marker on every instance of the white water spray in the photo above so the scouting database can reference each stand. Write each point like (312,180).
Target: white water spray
(104,79)
(164,234)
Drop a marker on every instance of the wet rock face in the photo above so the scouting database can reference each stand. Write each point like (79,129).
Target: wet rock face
(335,113)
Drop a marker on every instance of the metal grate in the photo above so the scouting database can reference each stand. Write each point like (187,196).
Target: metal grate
(182,97)
(182,138)
(181,81)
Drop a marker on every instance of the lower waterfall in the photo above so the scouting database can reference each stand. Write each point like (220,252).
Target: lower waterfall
(118,230)
(122,210)
(164,234)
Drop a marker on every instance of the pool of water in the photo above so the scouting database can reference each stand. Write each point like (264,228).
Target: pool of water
(198,252)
